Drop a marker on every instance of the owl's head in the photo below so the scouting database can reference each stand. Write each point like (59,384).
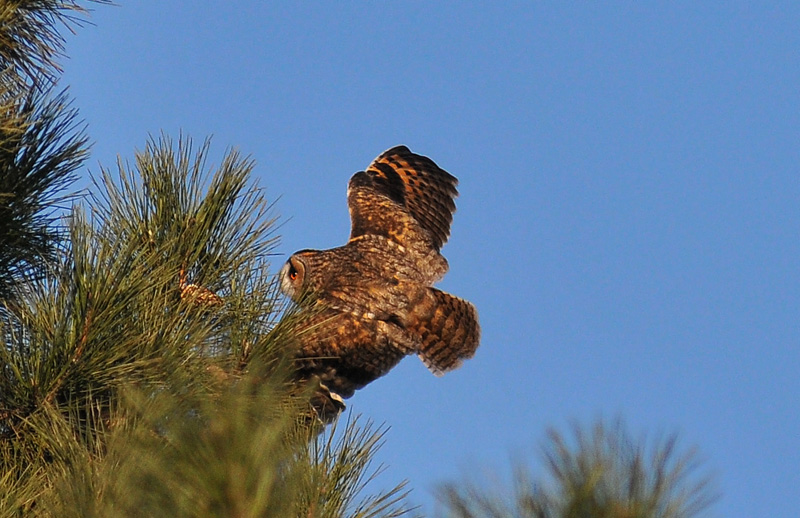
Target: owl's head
(293,276)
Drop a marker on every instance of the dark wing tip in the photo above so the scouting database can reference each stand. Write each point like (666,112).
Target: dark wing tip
(414,182)
(396,150)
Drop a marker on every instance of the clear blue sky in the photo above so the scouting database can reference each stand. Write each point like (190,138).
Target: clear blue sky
(629,218)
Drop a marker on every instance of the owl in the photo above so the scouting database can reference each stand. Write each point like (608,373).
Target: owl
(369,303)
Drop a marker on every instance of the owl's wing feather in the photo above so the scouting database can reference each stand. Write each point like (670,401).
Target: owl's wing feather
(448,334)
(346,351)
(403,196)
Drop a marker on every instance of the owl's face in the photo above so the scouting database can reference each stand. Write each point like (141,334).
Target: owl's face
(293,277)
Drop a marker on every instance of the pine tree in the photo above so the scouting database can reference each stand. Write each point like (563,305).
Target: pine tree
(598,473)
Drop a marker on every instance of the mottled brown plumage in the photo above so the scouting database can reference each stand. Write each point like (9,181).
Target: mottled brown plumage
(370,302)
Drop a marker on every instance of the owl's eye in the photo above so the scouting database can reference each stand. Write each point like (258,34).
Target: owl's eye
(292,273)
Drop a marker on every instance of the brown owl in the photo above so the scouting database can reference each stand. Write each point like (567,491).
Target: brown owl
(371,302)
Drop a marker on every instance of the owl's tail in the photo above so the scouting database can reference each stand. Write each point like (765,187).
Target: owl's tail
(450,335)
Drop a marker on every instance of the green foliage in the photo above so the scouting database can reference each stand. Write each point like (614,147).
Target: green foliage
(40,143)
(239,454)
(40,148)
(601,474)
(341,470)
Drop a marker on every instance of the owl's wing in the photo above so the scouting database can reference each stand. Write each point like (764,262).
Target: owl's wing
(345,351)
(403,196)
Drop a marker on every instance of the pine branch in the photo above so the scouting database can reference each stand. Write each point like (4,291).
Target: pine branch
(59,382)
(41,146)
(341,471)
(31,43)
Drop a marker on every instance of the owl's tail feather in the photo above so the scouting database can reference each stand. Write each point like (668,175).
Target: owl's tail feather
(451,335)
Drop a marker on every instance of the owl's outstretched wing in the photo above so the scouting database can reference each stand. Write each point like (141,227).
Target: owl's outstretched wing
(403,196)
